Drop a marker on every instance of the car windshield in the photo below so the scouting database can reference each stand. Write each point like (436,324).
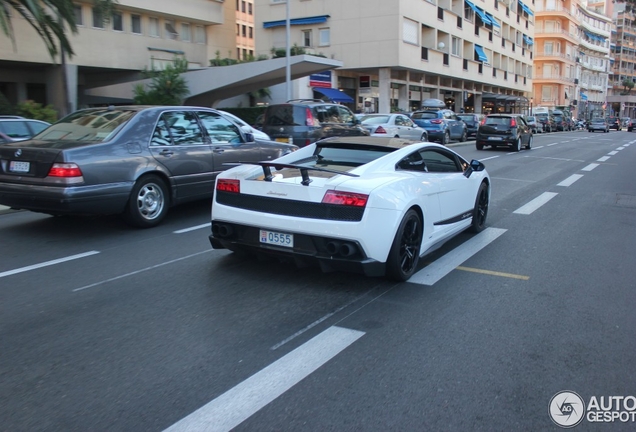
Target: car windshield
(598,121)
(93,126)
(530,119)
(375,119)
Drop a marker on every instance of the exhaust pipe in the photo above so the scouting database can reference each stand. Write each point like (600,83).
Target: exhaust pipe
(333,247)
(347,249)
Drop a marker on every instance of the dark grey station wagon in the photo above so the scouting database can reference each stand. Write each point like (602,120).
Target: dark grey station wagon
(133,160)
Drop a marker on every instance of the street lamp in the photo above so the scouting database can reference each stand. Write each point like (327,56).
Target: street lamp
(531,101)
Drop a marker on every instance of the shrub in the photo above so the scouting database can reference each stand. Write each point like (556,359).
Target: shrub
(35,110)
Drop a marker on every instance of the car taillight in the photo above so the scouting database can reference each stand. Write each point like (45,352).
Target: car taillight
(228,185)
(513,122)
(309,117)
(436,121)
(380,129)
(65,170)
(483,121)
(345,198)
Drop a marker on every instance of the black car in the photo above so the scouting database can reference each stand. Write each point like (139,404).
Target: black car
(472,123)
(498,130)
(547,121)
(136,161)
(615,123)
(560,121)
(305,121)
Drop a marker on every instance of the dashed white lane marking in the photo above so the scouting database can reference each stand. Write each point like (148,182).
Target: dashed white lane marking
(140,271)
(488,158)
(553,144)
(185,230)
(612,153)
(47,263)
(538,147)
(241,402)
(570,180)
(602,159)
(621,148)
(435,271)
(590,167)
(535,203)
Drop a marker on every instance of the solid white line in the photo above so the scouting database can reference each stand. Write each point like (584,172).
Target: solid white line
(553,144)
(433,272)
(139,271)
(568,181)
(488,158)
(241,402)
(538,147)
(47,263)
(602,159)
(185,230)
(590,167)
(535,203)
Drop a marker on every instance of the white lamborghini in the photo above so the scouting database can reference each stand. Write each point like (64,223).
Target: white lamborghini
(372,205)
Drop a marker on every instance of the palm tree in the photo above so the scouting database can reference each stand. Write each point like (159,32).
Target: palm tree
(48,18)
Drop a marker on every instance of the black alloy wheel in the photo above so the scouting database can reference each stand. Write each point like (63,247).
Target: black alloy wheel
(405,250)
(480,212)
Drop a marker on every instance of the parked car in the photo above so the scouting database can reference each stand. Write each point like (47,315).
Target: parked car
(614,123)
(246,127)
(393,125)
(631,124)
(498,130)
(19,129)
(133,160)
(598,124)
(561,121)
(304,121)
(351,204)
(442,125)
(625,121)
(547,121)
(472,123)
(5,138)
(535,126)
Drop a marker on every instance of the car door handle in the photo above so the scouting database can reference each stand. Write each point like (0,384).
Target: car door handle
(166,152)
(218,150)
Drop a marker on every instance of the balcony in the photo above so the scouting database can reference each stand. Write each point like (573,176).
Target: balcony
(542,55)
(554,10)
(555,78)
(593,46)
(204,11)
(557,33)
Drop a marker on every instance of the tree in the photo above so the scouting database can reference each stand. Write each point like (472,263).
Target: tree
(259,94)
(628,85)
(49,19)
(167,86)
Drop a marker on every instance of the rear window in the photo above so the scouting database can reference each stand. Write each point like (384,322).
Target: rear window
(375,119)
(469,118)
(285,115)
(425,115)
(504,121)
(347,155)
(91,126)
(531,119)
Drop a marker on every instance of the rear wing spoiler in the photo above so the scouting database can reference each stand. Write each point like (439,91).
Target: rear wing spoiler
(304,170)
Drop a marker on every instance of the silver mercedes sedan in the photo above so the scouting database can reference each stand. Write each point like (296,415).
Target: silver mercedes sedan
(133,160)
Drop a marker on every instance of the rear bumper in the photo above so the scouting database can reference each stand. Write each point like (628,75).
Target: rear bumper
(331,254)
(97,199)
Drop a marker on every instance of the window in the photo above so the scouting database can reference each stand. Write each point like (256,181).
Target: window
(469,13)
(547,47)
(455,46)
(410,31)
(135,21)
(243,30)
(220,130)
(306,38)
(118,22)
(177,128)
(237,4)
(153,27)
(199,34)
(171,32)
(186,32)
(243,7)
(250,32)
(238,29)
(249,9)
(324,37)
(77,11)
(98,20)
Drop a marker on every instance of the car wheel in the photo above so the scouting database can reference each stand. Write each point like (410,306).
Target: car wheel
(480,212)
(446,139)
(424,138)
(464,137)
(148,203)
(405,250)
(529,144)
(517,145)
(479,146)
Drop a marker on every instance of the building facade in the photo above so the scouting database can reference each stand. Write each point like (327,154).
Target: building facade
(622,99)
(474,56)
(245,29)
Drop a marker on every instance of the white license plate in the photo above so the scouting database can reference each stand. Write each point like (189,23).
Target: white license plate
(21,167)
(495,138)
(276,238)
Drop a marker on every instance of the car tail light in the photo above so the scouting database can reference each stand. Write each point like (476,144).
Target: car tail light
(436,121)
(65,170)
(309,117)
(483,121)
(380,129)
(345,198)
(228,185)
(513,122)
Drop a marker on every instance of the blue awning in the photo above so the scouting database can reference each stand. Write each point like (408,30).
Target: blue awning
(480,12)
(494,20)
(525,8)
(528,40)
(481,54)
(297,21)
(334,94)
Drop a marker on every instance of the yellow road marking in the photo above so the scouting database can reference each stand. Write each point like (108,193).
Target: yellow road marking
(493,273)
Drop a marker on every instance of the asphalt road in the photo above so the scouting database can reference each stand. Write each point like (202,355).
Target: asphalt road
(108,328)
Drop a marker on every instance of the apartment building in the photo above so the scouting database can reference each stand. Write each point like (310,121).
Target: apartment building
(593,61)
(475,55)
(622,100)
(142,34)
(245,29)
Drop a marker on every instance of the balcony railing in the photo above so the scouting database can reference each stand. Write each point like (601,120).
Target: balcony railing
(552,54)
(553,77)
(543,31)
(553,8)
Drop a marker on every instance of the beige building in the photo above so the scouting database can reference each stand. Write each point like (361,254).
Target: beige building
(245,29)
(476,56)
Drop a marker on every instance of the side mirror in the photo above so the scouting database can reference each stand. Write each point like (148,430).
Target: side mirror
(475,166)
(247,133)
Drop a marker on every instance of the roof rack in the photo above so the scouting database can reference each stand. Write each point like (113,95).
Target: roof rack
(305,100)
